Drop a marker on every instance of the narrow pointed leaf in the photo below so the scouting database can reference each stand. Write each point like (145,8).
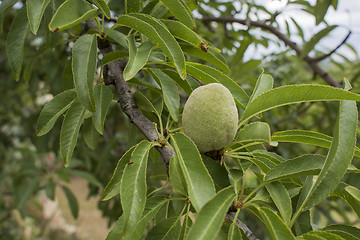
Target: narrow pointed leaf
(53,110)
(152,207)
(320,9)
(90,178)
(282,200)
(112,56)
(234,233)
(113,187)
(167,229)
(73,203)
(15,42)
(341,192)
(309,164)
(70,130)
(133,187)
(138,57)
(177,179)
(338,159)
(144,103)
(314,235)
(208,56)
(180,11)
(170,92)
(90,135)
(276,227)
(5,5)
(71,13)
(132,6)
(208,75)
(184,85)
(309,45)
(211,216)
(354,192)
(159,34)
(264,83)
(308,137)
(286,95)
(35,11)
(103,97)
(199,184)
(84,66)
(254,132)
(181,31)
(102,5)
(354,231)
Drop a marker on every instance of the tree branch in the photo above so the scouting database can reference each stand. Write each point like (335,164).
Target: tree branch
(318,59)
(243,226)
(127,101)
(268,27)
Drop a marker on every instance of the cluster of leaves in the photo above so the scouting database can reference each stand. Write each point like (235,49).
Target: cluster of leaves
(167,59)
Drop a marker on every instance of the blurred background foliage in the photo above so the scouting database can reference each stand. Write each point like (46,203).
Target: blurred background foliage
(31,166)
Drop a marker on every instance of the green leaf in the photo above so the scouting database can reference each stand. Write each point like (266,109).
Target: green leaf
(180,11)
(353,191)
(103,97)
(132,6)
(355,232)
(15,42)
(133,187)
(199,184)
(338,159)
(177,179)
(217,172)
(309,164)
(71,13)
(84,66)
(70,130)
(254,132)
(90,178)
(167,229)
(286,95)
(312,235)
(320,10)
(308,137)
(282,200)
(299,29)
(309,45)
(90,135)
(144,103)
(208,75)
(184,85)
(152,207)
(102,5)
(170,92)
(344,235)
(35,11)
(73,203)
(159,34)
(138,57)
(52,111)
(211,216)
(113,187)
(112,56)
(276,227)
(182,32)
(303,223)
(264,83)
(234,232)
(5,5)
(341,192)
(25,192)
(208,56)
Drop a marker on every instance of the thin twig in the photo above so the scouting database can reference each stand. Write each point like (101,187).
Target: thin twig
(243,226)
(269,27)
(318,59)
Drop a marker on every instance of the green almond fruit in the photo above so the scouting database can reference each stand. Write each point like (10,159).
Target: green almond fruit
(210,117)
